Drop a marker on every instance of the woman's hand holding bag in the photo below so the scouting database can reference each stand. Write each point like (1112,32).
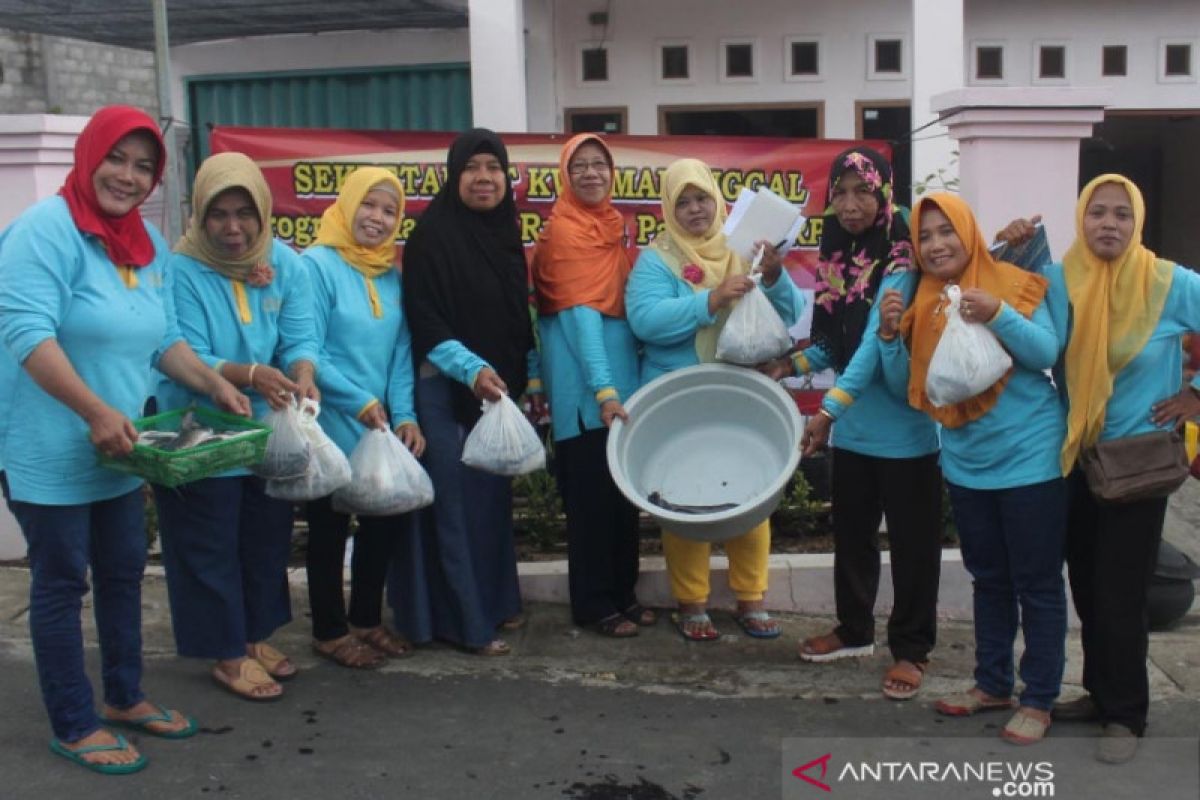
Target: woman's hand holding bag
(967,360)
(503,442)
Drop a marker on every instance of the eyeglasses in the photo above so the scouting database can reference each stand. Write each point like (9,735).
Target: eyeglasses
(581,167)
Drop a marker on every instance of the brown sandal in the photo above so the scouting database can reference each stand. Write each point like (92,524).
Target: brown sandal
(909,673)
(350,651)
(277,665)
(830,647)
(249,682)
(392,645)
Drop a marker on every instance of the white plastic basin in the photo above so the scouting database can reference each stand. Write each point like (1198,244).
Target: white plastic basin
(706,436)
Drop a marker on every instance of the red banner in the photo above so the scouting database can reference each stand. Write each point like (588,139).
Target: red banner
(305,169)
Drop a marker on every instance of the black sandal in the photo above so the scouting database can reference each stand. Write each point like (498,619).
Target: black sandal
(614,627)
(639,615)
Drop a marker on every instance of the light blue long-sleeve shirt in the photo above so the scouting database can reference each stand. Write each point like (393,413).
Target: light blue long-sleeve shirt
(1017,442)
(587,357)
(364,359)
(876,423)
(666,312)
(280,332)
(1156,372)
(456,361)
(58,283)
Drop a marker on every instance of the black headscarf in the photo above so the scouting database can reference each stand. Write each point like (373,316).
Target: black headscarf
(465,277)
(851,268)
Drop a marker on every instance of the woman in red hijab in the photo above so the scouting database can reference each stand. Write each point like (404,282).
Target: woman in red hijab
(84,319)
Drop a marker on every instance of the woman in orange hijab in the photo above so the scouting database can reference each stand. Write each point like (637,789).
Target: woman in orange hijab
(1000,455)
(589,364)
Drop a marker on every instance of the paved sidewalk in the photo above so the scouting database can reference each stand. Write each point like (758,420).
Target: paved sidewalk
(569,714)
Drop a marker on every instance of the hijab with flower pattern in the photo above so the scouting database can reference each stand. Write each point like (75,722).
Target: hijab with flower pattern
(851,267)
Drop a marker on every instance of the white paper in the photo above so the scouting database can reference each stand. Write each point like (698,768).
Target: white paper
(763,215)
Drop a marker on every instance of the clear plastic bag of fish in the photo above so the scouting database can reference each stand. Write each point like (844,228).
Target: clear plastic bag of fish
(385,478)
(968,358)
(288,449)
(503,442)
(754,332)
(328,470)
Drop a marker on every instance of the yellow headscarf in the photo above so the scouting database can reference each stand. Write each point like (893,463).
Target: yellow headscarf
(1116,307)
(709,252)
(217,174)
(336,229)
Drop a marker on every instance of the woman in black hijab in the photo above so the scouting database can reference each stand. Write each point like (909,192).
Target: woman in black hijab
(465,293)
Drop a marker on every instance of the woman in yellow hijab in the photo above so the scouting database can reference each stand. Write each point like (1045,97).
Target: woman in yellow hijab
(999,456)
(366,377)
(1122,374)
(677,300)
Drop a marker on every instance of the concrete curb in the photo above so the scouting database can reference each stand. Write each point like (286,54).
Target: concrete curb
(800,583)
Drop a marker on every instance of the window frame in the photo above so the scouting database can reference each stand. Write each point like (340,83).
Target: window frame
(873,74)
(803,77)
(723,56)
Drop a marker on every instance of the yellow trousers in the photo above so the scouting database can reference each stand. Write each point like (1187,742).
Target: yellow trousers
(687,565)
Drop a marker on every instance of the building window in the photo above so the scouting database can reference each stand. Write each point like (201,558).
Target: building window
(1178,61)
(1114,61)
(1052,62)
(805,58)
(595,64)
(675,62)
(739,61)
(989,62)
(886,57)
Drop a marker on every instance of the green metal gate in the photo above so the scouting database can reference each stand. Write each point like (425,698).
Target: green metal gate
(434,97)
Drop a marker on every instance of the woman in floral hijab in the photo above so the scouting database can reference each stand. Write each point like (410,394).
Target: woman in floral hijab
(885,456)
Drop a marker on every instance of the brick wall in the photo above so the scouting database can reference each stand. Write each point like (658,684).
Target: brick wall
(50,74)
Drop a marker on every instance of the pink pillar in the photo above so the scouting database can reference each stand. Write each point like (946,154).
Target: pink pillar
(36,153)
(1019,152)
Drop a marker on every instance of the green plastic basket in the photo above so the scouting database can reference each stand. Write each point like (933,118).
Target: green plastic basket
(173,467)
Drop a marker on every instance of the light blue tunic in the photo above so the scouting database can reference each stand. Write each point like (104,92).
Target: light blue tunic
(666,312)
(1017,442)
(58,283)
(877,423)
(280,332)
(364,358)
(1156,372)
(585,352)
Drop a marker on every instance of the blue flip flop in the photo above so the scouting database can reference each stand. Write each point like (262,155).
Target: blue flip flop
(77,756)
(742,621)
(142,724)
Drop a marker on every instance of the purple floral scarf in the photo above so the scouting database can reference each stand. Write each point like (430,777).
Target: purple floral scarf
(851,268)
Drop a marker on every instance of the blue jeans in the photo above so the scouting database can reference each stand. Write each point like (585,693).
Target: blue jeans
(1013,544)
(225,551)
(110,537)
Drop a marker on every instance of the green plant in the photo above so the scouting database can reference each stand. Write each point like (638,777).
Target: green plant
(937,181)
(799,512)
(538,510)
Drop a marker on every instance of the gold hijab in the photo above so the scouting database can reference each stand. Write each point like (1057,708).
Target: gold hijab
(217,174)
(1116,305)
(336,229)
(709,252)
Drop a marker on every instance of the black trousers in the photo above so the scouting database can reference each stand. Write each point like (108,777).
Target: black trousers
(602,530)
(373,544)
(1111,554)
(908,491)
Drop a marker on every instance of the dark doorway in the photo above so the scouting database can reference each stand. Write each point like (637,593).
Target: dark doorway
(796,122)
(1157,152)
(892,123)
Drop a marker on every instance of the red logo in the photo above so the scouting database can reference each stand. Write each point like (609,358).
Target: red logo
(824,762)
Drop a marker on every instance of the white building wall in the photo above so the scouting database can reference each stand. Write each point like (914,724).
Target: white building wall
(1085,26)
(635,26)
